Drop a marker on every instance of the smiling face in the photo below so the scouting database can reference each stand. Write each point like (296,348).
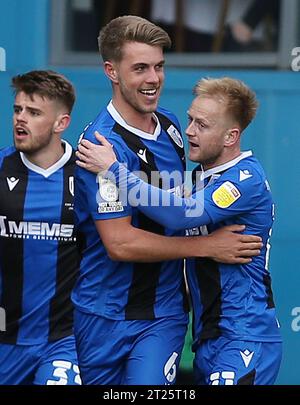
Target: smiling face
(138,77)
(207,131)
(34,122)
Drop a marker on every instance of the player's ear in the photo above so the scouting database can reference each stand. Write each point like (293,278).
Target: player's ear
(110,71)
(232,136)
(62,122)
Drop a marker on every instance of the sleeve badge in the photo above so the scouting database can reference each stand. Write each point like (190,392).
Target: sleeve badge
(225,195)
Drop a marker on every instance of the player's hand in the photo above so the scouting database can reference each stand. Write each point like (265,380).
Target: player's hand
(229,246)
(95,158)
(241,32)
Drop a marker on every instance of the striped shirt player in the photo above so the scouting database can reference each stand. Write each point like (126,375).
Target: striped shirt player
(124,309)
(236,333)
(38,267)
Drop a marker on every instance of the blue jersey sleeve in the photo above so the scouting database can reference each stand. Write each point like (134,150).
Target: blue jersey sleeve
(234,194)
(229,196)
(166,208)
(102,195)
(6,152)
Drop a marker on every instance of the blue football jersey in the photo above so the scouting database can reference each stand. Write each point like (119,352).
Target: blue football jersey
(235,301)
(38,252)
(126,290)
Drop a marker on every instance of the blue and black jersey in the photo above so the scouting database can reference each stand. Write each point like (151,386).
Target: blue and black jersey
(121,290)
(239,301)
(38,253)
(235,301)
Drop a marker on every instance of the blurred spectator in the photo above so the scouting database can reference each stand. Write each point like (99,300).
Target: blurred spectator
(203,26)
(194,25)
(82,26)
(91,15)
(242,30)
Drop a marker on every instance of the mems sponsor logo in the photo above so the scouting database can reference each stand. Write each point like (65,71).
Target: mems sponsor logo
(36,230)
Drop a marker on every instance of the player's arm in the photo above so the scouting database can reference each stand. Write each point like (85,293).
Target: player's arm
(127,243)
(163,207)
(124,242)
(166,208)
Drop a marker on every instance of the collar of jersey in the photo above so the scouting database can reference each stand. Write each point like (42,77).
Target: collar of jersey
(118,118)
(225,166)
(52,169)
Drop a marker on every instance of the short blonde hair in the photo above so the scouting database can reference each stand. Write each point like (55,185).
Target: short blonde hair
(129,28)
(240,100)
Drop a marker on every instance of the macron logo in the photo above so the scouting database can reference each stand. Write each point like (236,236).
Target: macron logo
(142,154)
(244,174)
(12,182)
(247,357)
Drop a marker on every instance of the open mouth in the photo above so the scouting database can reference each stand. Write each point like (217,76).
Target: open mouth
(193,145)
(19,131)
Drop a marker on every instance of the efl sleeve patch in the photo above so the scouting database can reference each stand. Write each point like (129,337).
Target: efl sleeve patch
(108,190)
(109,197)
(225,195)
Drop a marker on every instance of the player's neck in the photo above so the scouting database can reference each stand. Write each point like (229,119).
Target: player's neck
(47,156)
(222,160)
(143,121)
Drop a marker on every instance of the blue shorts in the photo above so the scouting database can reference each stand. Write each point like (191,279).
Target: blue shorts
(223,361)
(52,363)
(137,352)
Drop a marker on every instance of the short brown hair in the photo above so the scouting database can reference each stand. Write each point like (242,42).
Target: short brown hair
(128,28)
(240,100)
(46,83)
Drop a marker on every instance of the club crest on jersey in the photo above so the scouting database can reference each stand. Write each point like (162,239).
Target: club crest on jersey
(225,195)
(108,190)
(175,135)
